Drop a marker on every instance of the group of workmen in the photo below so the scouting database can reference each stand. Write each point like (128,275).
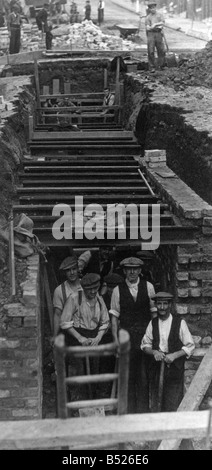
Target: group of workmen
(154,24)
(96,299)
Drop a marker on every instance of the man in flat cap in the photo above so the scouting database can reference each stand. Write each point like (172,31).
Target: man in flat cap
(71,285)
(131,309)
(85,318)
(99,261)
(154,30)
(167,340)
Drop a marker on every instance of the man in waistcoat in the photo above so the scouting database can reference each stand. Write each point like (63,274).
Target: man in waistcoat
(131,309)
(71,285)
(167,338)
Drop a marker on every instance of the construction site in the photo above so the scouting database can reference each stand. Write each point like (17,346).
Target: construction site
(69,162)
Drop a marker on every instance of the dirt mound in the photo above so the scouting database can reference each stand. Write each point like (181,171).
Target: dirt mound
(193,70)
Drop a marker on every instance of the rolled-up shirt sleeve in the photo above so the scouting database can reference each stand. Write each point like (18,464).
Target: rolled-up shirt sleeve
(115,303)
(186,338)
(57,298)
(147,338)
(83,260)
(151,293)
(67,313)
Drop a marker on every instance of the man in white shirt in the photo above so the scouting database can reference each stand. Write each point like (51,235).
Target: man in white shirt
(167,338)
(154,29)
(85,318)
(131,309)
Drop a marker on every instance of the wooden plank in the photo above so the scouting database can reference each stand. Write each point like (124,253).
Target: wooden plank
(61,374)
(75,405)
(93,378)
(105,77)
(48,297)
(49,433)
(67,88)
(102,134)
(95,107)
(194,394)
(46,92)
(31,128)
(72,95)
(11,256)
(56,86)
(37,85)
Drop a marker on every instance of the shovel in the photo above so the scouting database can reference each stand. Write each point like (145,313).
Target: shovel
(171,58)
(160,387)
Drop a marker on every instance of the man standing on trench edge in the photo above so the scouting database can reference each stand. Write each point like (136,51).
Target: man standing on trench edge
(131,309)
(154,30)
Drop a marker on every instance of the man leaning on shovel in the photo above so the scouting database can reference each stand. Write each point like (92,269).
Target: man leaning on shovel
(168,340)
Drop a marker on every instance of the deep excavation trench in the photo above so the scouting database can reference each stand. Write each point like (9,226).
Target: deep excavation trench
(158,123)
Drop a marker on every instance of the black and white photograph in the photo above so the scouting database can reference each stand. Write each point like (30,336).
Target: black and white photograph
(105,231)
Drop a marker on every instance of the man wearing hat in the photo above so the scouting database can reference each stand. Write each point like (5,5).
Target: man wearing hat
(69,267)
(154,29)
(131,309)
(85,318)
(167,339)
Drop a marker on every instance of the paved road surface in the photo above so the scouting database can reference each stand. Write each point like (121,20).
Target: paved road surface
(115,14)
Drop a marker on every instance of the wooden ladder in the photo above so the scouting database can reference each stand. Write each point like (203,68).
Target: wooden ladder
(120,376)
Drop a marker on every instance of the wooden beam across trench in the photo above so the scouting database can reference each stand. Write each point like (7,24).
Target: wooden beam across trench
(81,433)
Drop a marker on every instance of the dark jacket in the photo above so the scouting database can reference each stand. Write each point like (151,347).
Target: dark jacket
(134,315)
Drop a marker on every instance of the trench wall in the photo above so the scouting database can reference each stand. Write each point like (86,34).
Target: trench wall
(20,321)
(178,121)
(21,347)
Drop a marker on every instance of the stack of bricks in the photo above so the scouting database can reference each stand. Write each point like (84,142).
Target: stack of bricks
(20,352)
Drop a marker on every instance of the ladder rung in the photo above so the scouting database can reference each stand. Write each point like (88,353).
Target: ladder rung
(84,379)
(75,405)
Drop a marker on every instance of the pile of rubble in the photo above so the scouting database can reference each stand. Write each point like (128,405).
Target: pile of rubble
(31,37)
(87,35)
(193,70)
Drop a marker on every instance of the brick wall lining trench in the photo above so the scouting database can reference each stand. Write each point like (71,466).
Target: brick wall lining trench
(20,326)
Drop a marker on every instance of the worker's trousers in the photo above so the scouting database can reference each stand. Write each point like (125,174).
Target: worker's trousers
(15,39)
(155,41)
(138,392)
